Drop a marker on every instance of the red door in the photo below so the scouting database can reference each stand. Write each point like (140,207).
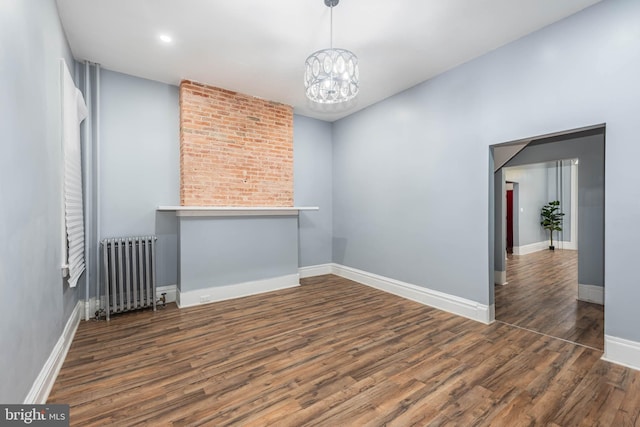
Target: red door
(510,221)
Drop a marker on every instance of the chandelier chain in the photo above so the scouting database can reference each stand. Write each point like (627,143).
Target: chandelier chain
(331,26)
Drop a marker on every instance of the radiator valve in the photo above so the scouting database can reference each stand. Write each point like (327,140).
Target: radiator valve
(163,299)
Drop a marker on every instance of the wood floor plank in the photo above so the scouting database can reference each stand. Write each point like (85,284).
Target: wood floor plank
(541,295)
(333,353)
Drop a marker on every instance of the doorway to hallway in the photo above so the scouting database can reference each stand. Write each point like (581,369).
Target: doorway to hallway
(538,289)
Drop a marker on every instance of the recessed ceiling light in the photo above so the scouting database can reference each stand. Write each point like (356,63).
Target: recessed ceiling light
(165,38)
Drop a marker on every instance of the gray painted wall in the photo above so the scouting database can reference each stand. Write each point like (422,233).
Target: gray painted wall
(35,303)
(312,185)
(540,183)
(516,216)
(410,173)
(499,227)
(400,210)
(226,251)
(140,118)
(533,192)
(590,151)
(559,188)
(140,167)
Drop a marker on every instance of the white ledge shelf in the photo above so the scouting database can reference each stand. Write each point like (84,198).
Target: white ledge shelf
(236,210)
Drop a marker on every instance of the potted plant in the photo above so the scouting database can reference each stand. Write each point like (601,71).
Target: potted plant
(551,219)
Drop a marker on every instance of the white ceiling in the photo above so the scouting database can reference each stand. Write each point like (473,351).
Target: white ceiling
(258,47)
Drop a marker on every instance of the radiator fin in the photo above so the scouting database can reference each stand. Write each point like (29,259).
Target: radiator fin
(129,273)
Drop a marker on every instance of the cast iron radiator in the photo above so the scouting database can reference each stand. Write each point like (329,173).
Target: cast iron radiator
(129,273)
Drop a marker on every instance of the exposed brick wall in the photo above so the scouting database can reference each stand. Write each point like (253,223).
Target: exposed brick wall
(235,150)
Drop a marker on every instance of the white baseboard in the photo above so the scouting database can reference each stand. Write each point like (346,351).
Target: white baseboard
(221,293)
(621,351)
(542,246)
(86,309)
(564,245)
(440,300)
(41,387)
(530,248)
(500,277)
(170,290)
(89,310)
(591,293)
(315,270)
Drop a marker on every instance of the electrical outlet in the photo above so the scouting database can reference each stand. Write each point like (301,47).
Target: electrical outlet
(205,298)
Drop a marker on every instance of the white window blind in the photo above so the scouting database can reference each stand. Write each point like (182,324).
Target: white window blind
(74,111)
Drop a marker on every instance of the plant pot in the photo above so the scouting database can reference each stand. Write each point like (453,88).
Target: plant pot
(552,248)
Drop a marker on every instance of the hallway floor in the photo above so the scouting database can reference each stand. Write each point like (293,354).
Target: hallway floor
(541,296)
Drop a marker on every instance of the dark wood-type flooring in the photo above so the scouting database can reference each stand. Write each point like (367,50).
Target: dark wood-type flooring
(334,353)
(541,295)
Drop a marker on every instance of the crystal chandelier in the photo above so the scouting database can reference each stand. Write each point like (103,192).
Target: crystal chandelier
(331,75)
